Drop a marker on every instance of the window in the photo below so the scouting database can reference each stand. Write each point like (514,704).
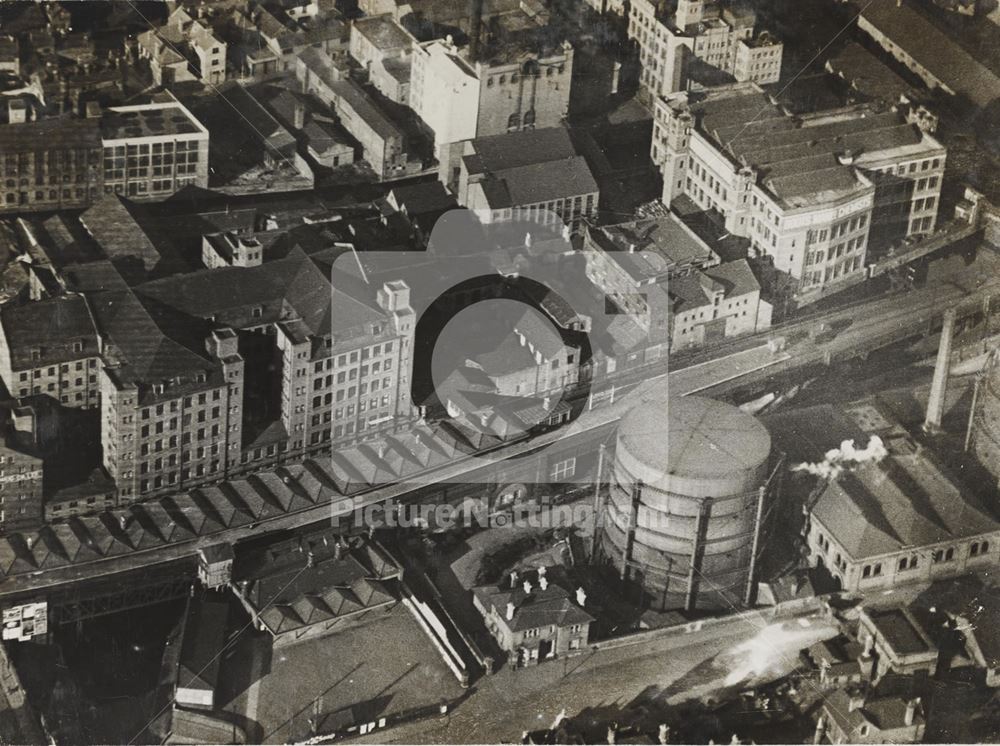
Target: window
(563,469)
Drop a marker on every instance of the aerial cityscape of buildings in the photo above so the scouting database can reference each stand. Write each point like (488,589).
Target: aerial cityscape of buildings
(474,371)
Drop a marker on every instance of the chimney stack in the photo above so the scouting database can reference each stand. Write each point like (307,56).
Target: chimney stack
(475,28)
(543,582)
(581,596)
(527,587)
(911,710)
(939,384)
(513,579)
(510,611)
(300,116)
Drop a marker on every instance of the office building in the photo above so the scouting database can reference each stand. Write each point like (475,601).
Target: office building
(153,150)
(673,44)
(810,192)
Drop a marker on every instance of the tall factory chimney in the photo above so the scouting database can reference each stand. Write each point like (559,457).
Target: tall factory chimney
(475,28)
(939,384)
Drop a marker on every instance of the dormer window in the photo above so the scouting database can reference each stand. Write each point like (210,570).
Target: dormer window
(78,346)
(258,312)
(36,353)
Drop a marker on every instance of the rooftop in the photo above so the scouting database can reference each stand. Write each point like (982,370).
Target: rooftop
(282,290)
(153,120)
(697,289)
(704,439)
(885,713)
(904,501)
(933,49)
(540,608)
(204,638)
(901,630)
(383,32)
(515,149)
(802,160)
(45,134)
(867,74)
(539,182)
(367,108)
(315,578)
(419,199)
(47,332)
(663,245)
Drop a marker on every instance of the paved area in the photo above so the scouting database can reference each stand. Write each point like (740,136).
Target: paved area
(388,662)
(672,669)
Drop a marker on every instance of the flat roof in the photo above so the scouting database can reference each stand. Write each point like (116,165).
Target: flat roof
(383,32)
(900,630)
(155,120)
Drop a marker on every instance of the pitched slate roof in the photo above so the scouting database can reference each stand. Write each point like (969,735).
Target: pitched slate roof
(52,327)
(933,49)
(282,290)
(540,608)
(905,501)
(202,643)
(310,579)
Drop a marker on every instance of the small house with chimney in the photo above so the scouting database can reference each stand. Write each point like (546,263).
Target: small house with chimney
(533,619)
(898,641)
(855,717)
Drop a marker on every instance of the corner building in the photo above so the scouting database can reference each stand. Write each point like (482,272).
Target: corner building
(810,192)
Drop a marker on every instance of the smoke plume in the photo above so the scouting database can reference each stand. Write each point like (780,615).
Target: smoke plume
(838,459)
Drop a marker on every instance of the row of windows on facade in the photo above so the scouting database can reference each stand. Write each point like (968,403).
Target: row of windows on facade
(352,391)
(52,195)
(530,69)
(63,370)
(353,357)
(938,556)
(363,371)
(536,631)
(51,388)
(833,272)
(53,176)
(737,315)
(13,162)
(835,252)
(912,167)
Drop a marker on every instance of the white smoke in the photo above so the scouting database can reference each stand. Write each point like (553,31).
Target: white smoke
(838,459)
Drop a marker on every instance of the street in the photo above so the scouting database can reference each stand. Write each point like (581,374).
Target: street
(670,668)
